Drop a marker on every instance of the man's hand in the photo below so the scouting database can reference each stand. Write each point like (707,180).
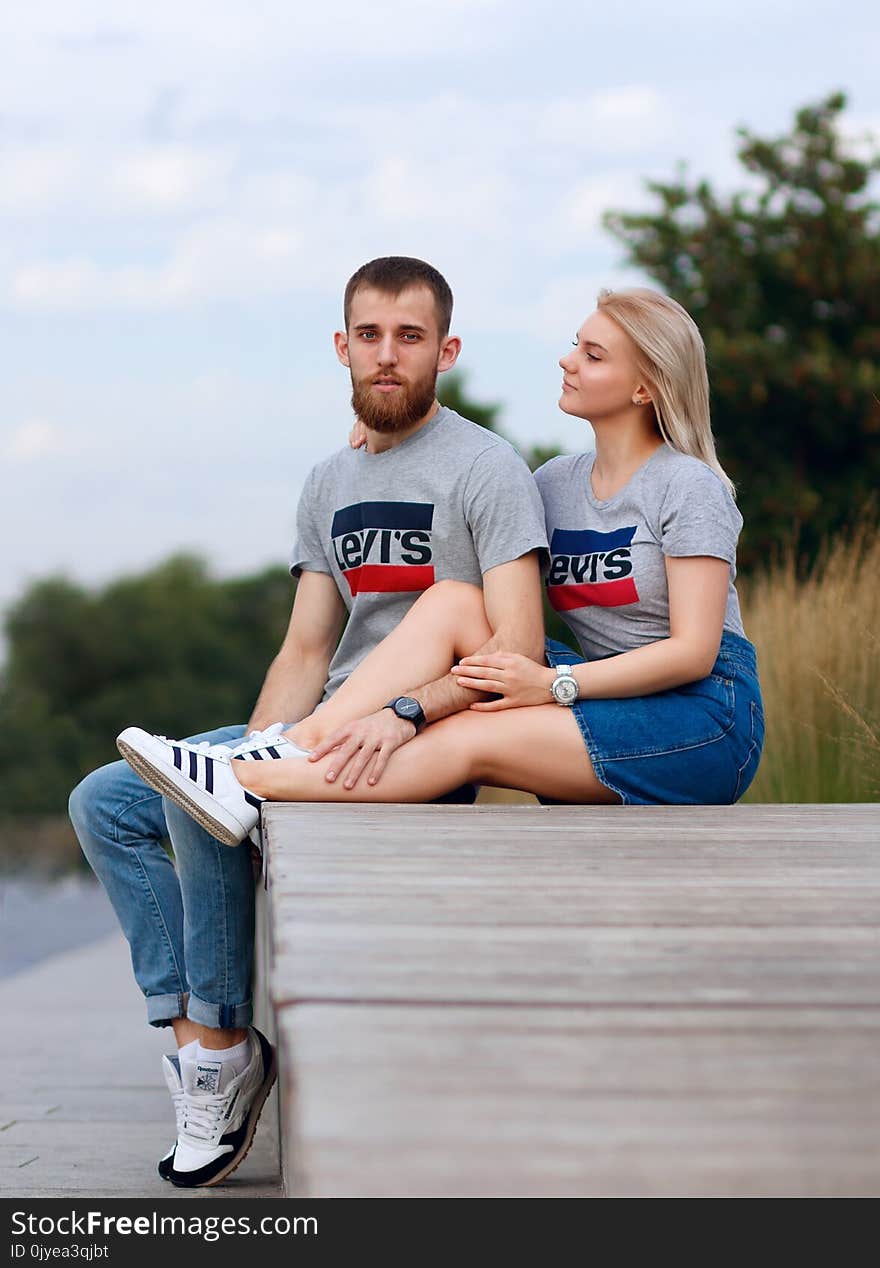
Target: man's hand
(364,745)
(518,680)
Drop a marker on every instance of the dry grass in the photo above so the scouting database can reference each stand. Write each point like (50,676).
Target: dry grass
(818,641)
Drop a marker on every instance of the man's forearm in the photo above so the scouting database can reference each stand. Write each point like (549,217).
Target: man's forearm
(443,697)
(291,690)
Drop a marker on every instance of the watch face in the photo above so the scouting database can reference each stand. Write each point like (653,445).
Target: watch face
(406,707)
(565,690)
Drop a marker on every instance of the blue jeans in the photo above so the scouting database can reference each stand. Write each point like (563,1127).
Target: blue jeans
(189,924)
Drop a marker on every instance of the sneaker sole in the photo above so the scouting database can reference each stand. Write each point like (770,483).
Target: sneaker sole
(253,1118)
(228,831)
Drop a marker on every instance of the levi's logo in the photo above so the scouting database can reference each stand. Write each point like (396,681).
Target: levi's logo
(382,547)
(590,569)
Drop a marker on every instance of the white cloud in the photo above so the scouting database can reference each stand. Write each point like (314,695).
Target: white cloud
(170,178)
(217,259)
(625,120)
(458,193)
(34,178)
(33,439)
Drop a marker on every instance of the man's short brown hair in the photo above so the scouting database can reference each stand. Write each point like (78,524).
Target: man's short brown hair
(392,274)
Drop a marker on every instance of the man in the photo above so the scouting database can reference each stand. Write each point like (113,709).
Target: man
(430,497)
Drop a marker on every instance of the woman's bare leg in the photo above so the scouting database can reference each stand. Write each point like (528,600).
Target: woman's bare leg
(538,750)
(445,623)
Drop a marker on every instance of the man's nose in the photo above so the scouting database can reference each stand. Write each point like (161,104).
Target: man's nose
(387,352)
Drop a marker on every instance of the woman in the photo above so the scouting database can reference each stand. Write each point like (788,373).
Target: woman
(664,708)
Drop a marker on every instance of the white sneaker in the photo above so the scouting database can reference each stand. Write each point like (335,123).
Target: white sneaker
(220,1114)
(253,747)
(199,781)
(272,735)
(260,746)
(171,1070)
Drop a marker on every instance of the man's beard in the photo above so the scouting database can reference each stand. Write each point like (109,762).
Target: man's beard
(393,411)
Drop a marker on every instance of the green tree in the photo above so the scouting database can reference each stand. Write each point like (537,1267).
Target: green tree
(169,650)
(783,279)
(452,392)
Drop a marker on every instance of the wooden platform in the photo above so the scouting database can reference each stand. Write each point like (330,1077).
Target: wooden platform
(577,1001)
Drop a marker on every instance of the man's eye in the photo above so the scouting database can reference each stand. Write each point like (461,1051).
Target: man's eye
(368,334)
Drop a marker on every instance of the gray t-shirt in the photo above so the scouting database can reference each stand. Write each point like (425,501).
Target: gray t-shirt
(607,576)
(449,502)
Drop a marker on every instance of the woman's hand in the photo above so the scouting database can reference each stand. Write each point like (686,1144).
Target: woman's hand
(517,679)
(357,437)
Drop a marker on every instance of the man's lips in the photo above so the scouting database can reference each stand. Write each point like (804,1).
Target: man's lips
(387,385)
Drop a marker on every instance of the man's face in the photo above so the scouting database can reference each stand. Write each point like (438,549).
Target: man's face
(394,351)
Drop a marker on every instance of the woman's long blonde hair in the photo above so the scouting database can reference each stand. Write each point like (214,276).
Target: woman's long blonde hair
(671,358)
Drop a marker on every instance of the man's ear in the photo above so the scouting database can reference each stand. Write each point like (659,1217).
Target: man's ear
(449,350)
(340,342)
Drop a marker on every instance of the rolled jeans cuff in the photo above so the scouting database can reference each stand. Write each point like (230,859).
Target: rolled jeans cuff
(162,1010)
(220,1016)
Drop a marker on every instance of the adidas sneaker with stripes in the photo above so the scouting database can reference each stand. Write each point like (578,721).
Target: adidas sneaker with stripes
(199,779)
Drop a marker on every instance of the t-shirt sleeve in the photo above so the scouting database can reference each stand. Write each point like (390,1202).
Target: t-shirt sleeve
(699,516)
(308,553)
(503,508)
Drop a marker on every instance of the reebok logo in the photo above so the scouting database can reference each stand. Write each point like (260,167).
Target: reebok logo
(208,1077)
(590,569)
(384,547)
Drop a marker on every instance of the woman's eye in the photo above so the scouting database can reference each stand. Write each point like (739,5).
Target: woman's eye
(574,342)
(590,357)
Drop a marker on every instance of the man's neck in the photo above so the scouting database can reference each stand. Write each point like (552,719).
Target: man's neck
(379,441)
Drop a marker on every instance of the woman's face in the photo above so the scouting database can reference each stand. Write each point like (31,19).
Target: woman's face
(599,375)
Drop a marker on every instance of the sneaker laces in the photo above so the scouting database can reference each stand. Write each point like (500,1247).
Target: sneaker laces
(270,732)
(205,747)
(202,1118)
(260,739)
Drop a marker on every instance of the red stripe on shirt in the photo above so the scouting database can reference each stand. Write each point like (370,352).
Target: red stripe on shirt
(389,578)
(602,594)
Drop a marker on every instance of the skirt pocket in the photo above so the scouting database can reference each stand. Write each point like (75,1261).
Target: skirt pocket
(666,722)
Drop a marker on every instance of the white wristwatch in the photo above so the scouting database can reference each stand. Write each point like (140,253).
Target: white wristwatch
(564,686)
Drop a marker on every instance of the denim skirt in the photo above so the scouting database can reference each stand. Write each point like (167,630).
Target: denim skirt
(696,745)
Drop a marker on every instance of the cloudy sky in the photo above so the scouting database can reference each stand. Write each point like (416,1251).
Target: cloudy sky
(185,187)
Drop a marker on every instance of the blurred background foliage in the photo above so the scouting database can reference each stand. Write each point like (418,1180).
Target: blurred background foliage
(783,278)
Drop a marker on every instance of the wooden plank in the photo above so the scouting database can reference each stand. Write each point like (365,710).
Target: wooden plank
(311,825)
(633,965)
(480,906)
(405,1101)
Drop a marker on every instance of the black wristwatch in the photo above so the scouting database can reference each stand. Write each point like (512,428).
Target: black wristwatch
(409,709)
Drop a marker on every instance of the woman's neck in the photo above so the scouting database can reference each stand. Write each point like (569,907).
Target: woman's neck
(620,451)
